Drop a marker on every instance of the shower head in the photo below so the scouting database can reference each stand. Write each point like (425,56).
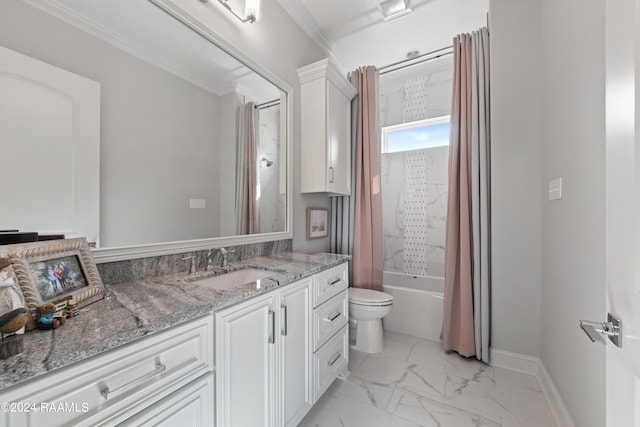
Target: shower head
(267,161)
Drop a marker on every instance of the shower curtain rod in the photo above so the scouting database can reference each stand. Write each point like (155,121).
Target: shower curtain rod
(268,104)
(404,63)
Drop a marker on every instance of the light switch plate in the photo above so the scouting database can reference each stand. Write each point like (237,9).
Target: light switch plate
(197,203)
(555,189)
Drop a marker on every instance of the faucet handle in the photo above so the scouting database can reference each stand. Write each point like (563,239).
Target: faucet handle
(192,267)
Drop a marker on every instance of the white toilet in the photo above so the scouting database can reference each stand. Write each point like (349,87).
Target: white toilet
(367,308)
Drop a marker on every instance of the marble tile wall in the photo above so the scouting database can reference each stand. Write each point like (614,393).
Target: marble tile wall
(414,184)
(415,98)
(113,273)
(414,210)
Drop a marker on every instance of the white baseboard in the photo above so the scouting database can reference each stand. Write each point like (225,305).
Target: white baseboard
(533,366)
(514,361)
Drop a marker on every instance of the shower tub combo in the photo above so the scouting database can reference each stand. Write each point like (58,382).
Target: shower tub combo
(418,303)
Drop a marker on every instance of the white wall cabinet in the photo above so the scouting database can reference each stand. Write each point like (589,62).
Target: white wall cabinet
(263,359)
(326,129)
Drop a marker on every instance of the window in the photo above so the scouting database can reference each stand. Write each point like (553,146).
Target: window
(416,135)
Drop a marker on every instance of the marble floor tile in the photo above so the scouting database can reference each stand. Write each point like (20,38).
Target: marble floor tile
(415,383)
(428,411)
(384,367)
(517,382)
(372,390)
(338,411)
(356,358)
(401,338)
(503,403)
(394,350)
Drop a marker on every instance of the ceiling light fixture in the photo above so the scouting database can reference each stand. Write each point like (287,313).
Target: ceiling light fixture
(394,9)
(250,10)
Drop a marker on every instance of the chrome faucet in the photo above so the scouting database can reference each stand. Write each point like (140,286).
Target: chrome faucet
(224,252)
(210,266)
(192,267)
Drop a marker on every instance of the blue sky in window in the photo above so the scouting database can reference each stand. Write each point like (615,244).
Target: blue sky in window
(427,136)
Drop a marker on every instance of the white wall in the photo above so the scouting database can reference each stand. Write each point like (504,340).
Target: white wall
(547,78)
(515,175)
(573,235)
(279,45)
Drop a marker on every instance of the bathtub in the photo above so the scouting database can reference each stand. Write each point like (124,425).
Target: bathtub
(417,305)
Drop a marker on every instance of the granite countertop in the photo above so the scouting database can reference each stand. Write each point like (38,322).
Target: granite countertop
(133,310)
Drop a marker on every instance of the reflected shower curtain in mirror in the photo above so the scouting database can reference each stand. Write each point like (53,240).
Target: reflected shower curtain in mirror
(247,183)
(467,257)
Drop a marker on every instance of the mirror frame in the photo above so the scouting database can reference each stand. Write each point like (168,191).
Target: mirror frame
(101,255)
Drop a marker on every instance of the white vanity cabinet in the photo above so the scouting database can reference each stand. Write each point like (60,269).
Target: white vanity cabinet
(150,380)
(263,359)
(330,327)
(326,129)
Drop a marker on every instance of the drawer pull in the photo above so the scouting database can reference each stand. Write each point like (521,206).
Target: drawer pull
(334,317)
(334,360)
(160,367)
(335,281)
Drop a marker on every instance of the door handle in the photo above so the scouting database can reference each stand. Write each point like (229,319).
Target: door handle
(331,175)
(612,328)
(285,329)
(272,320)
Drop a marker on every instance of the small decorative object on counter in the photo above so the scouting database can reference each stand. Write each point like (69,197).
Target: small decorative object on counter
(13,314)
(72,308)
(48,318)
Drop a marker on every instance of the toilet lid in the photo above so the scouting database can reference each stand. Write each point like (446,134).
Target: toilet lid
(368,296)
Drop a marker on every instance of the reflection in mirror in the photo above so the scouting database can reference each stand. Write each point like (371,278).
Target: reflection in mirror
(192,143)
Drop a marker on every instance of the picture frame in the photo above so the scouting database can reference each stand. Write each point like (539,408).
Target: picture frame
(52,270)
(317,223)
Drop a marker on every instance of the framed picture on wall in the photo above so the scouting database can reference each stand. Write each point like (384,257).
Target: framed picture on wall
(317,223)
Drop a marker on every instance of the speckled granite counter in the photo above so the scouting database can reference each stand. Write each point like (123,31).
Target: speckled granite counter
(133,310)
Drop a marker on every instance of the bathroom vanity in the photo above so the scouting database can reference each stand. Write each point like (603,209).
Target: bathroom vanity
(168,348)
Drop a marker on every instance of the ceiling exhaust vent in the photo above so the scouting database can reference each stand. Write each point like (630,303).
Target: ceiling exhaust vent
(394,9)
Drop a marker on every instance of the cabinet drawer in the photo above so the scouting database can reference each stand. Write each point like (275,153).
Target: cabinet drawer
(329,283)
(328,318)
(330,361)
(121,381)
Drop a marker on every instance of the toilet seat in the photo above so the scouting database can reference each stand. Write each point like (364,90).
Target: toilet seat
(369,297)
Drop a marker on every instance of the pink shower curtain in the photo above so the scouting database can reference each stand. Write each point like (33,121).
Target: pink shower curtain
(367,247)
(458,331)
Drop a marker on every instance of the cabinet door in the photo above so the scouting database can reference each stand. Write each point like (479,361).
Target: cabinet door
(245,364)
(339,141)
(295,352)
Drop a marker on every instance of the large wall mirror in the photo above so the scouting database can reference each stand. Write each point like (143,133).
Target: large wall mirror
(191,144)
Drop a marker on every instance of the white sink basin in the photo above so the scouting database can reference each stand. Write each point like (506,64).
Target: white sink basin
(235,278)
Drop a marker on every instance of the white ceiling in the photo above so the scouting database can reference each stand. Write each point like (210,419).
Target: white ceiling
(355,33)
